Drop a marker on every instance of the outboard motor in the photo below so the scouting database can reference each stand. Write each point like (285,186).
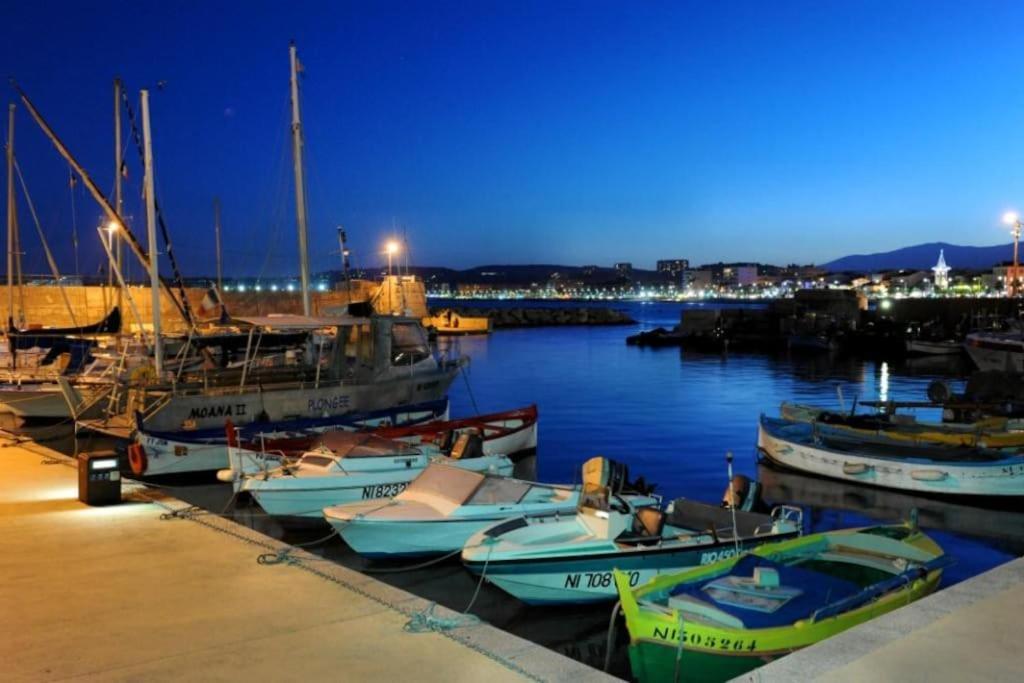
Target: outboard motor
(742,494)
(468,445)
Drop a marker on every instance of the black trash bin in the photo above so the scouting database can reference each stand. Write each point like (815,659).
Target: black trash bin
(99,478)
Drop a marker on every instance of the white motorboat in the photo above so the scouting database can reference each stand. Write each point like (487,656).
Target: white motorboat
(556,561)
(441,509)
(350,467)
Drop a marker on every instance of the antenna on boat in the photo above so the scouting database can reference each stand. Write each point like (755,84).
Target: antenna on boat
(343,250)
(732,503)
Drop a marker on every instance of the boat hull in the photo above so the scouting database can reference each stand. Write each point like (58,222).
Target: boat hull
(995,352)
(920,347)
(664,647)
(417,538)
(307,497)
(166,454)
(1002,477)
(205,411)
(588,578)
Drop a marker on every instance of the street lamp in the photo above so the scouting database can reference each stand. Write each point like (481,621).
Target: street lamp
(1013,220)
(391,248)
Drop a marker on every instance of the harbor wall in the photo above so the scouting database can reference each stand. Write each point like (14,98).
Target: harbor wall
(45,305)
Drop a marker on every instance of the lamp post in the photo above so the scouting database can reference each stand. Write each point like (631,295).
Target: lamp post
(1013,220)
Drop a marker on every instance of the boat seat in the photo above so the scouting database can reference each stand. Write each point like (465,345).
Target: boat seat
(648,524)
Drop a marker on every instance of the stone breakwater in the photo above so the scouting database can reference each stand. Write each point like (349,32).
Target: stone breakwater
(543,317)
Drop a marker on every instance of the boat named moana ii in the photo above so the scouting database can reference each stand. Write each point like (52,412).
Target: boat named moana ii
(720,621)
(366,363)
(926,469)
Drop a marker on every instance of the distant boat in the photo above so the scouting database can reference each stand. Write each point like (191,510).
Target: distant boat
(926,347)
(937,470)
(996,350)
(717,622)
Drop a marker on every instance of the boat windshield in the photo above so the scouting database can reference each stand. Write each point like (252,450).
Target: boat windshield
(409,344)
(496,490)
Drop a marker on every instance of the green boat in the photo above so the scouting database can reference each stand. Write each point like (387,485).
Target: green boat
(719,621)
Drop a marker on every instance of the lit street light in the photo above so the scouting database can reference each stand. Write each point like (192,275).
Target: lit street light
(391,248)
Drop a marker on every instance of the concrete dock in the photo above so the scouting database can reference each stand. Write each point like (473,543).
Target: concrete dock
(967,632)
(129,593)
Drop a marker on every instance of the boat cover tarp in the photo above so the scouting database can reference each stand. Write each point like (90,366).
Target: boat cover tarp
(692,514)
(444,483)
(817,590)
(44,338)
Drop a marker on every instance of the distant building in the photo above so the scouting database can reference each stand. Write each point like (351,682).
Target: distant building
(674,266)
(699,279)
(941,271)
(746,275)
(624,268)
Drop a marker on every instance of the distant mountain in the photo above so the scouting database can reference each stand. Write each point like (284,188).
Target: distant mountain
(923,257)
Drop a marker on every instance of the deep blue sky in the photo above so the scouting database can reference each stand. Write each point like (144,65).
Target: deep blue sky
(566,132)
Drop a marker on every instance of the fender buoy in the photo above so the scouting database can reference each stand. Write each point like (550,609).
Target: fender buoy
(137,459)
(231,434)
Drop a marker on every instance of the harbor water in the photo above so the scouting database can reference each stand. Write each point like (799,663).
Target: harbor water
(671,416)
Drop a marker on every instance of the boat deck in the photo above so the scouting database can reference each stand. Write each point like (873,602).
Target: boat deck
(118,593)
(968,632)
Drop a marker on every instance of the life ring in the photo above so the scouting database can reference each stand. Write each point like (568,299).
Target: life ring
(137,459)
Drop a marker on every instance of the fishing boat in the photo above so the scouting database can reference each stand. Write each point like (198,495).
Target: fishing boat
(556,561)
(349,467)
(509,433)
(158,453)
(441,509)
(936,470)
(720,621)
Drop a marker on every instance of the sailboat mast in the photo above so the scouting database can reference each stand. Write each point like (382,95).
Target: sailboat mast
(118,166)
(94,190)
(216,235)
(10,216)
(154,274)
(300,186)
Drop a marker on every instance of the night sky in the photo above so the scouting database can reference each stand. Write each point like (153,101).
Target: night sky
(549,132)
